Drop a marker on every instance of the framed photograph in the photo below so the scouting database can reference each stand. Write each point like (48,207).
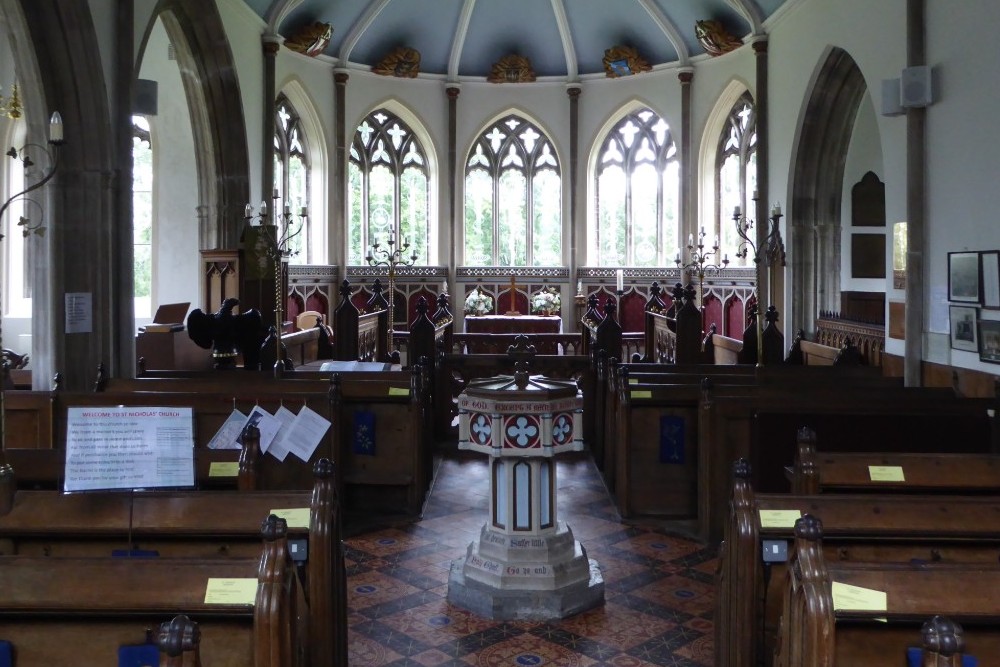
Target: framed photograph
(989,341)
(991,278)
(963,277)
(963,328)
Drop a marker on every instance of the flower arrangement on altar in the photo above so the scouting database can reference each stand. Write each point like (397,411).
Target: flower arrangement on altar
(478,303)
(546,302)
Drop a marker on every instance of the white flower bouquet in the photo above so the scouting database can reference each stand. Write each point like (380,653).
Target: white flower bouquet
(478,303)
(546,302)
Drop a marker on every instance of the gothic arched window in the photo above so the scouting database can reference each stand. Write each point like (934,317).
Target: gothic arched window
(291,174)
(513,197)
(736,173)
(389,188)
(142,216)
(637,181)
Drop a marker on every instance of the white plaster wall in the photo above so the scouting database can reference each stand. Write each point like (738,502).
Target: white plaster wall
(176,260)
(961,153)
(863,155)
(243,32)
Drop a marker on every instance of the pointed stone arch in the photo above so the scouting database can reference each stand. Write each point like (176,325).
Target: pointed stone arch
(208,71)
(817,186)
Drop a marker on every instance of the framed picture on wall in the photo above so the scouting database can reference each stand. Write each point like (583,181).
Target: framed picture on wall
(989,341)
(991,278)
(963,328)
(963,277)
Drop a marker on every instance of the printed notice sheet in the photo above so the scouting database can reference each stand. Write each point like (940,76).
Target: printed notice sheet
(277,448)
(129,448)
(225,437)
(305,433)
(266,424)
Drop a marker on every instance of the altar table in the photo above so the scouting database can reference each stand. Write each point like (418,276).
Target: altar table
(505,324)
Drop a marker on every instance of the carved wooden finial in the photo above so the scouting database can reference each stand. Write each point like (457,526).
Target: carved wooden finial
(345,289)
(944,636)
(273,528)
(173,633)
(677,294)
(741,469)
(809,527)
(323,468)
(421,306)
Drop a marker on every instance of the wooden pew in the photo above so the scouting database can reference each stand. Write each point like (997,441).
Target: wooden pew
(808,353)
(388,471)
(884,528)
(359,336)
(77,611)
(643,399)
(844,472)
(760,423)
(721,350)
(201,524)
(815,631)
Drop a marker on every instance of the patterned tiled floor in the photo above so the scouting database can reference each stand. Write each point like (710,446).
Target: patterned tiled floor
(658,600)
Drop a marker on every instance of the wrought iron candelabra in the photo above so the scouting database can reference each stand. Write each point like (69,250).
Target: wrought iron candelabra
(700,264)
(391,257)
(765,250)
(277,230)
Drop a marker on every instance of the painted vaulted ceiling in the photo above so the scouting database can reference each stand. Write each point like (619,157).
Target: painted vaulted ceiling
(563,39)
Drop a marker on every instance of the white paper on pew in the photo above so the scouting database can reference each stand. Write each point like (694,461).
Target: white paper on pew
(306,432)
(265,423)
(129,448)
(225,437)
(278,449)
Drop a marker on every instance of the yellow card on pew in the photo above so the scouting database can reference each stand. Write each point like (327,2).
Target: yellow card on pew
(231,591)
(641,394)
(224,469)
(633,380)
(295,517)
(778,518)
(856,598)
(399,391)
(886,473)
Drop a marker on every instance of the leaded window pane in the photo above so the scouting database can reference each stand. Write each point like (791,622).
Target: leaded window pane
(513,197)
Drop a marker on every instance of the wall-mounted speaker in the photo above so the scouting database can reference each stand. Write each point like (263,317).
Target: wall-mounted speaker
(146,97)
(890,98)
(915,89)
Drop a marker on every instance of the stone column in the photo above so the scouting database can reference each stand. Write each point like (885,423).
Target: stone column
(686,213)
(453,217)
(341,154)
(916,167)
(763,175)
(575,252)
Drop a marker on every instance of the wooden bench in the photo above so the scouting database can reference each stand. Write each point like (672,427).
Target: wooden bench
(819,631)
(884,527)
(78,611)
(808,353)
(200,524)
(844,472)
(760,424)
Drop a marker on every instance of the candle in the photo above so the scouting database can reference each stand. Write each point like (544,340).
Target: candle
(304,212)
(274,194)
(263,208)
(678,257)
(579,287)
(755,194)
(55,128)
(690,240)
(248,211)
(725,258)
(776,210)
(715,243)
(444,287)
(620,275)
(736,212)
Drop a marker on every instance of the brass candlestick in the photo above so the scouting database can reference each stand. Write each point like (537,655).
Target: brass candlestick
(277,237)
(771,252)
(700,265)
(391,258)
